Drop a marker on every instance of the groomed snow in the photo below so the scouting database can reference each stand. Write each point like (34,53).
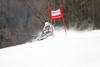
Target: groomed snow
(75,49)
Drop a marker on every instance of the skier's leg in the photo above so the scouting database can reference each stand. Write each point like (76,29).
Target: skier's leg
(49,34)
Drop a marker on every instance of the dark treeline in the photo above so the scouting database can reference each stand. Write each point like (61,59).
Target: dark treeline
(80,14)
(20,19)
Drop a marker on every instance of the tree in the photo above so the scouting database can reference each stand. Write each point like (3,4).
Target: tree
(2,27)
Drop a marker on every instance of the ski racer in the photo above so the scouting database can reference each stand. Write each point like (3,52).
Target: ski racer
(47,31)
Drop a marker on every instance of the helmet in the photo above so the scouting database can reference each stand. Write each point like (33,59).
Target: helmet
(47,24)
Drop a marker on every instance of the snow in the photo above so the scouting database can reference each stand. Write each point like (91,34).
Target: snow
(75,49)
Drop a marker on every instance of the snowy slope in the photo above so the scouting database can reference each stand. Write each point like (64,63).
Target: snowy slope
(76,49)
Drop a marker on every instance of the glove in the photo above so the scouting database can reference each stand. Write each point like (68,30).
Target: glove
(53,35)
(43,34)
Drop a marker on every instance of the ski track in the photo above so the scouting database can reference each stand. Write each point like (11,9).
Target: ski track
(75,49)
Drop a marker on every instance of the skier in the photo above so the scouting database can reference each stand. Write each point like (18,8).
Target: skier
(47,31)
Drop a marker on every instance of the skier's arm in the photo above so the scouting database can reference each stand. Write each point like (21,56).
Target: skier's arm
(51,30)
